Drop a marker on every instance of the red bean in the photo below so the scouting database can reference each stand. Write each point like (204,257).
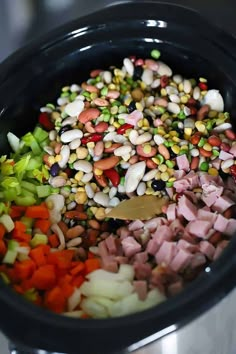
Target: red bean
(113,176)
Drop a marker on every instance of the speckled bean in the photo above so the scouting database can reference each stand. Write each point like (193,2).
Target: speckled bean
(164,151)
(161,102)
(133,160)
(90,127)
(99,148)
(74,232)
(88,115)
(57,148)
(57,182)
(90,88)
(113,94)
(101,102)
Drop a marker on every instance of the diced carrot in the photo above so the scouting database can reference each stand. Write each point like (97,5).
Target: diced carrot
(62,259)
(22,237)
(67,289)
(2,231)
(78,268)
(43,225)
(3,248)
(78,281)
(66,279)
(54,300)
(38,255)
(53,240)
(17,211)
(37,212)
(85,315)
(19,227)
(91,265)
(90,255)
(24,269)
(26,284)
(44,278)
(18,289)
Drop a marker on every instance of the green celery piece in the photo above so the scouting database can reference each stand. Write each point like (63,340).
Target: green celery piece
(38,239)
(36,149)
(44,143)
(34,163)
(10,257)
(30,295)
(40,134)
(21,166)
(26,193)
(12,245)
(43,191)
(28,186)
(5,278)
(28,139)
(41,175)
(10,182)
(25,201)
(10,194)
(4,209)
(7,168)
(28,222)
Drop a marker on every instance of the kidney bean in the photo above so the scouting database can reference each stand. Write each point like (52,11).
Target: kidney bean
(122,129)
(101,127)
(107,163)
(205,153)
(214,140)
(101,180)
(225,147)
(45,159)
(191,102)
(99,148)
(141,151)
(164,151)
(202,86)
(150,164)
(77,215)
(113,176)
(94,224)
(89,127)
(164,81)
(89,114)
(63,227)
(45,121)
(201,114)
(95,73)
(91,138)
(112,148)
(230,134)
(195,138)
(75,231)
(194,163)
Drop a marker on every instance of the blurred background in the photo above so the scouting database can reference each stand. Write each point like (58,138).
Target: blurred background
(24,20)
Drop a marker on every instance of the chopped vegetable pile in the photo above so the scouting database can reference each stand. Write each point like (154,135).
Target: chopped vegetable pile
(127,132)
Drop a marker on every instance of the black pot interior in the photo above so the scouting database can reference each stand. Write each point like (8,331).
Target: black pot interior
(34,76)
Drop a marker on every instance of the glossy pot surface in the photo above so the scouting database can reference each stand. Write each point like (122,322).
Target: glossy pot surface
(34,75)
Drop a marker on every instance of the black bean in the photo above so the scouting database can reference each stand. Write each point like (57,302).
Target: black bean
(158,185)
(121,196)
(138,71)
(64,129)
(54,170)
(131,107)
(150,120)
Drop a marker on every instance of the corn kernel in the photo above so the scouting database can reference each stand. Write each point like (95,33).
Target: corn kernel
(202,79)
(173,133)
(80,197)
(143,85)
(139,106)
(149,191)
(158,175)
(184,147)
(100,214)
(127,101)
(200,126)
(73,158)
(98,172)
(112,87)
(140,123)
(51,160)
(176,139)
(172,179)
(213,171)
(146,122)
(175,149)
(94,186)
(149,184)
(155,160)
(170,171)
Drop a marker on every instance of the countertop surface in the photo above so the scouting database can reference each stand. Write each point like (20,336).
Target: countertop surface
(24,20)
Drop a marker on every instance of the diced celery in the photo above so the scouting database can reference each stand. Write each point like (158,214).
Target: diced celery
(35,148)
(10,194)
(25,201)
(28,186)
(26,193)
(44,143)
(38,239)
(10,257)
(28,222)
(40,134)
(43,191)
(5,278)
(13,245)
(14,141)
(7,222)
(55,190)
(30,294)
(34,163)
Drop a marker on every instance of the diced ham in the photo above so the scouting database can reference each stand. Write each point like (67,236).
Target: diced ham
(221,223)
(181,260)
(181,185)
(176,227)
(178,174)
(211,192)
(170,192)
(222,203)
(193,179)
(154,223)
(233,150)
(121,260)
(198,260)
(187,208)
(171,212)
(204,214)
(185,245)
(152,247)
(142,270)
(225,155)
(135,225)
(141,257)
(175,288)
(224,243)
(140,286)
(138,233)
(182,162)
(231,227)
(130,246)
(162,233)
(218,251)
(110,264)
(111,244)
(166,253)
(102,249)
(199,228)
(205,178)
(191,196)
(207,249)
(123,232)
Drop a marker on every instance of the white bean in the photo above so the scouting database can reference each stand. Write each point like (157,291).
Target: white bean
(177,79)
(114,202)
(214,99)
(120,139)
(74,88)
(71,206)
(147,76)
(100,85)
(110,136)
(125,165)
(222,127)
(129,66)
(196,93)
(112,192)
(87,177)
(227,163)
(82,165)
(141,189)
(61,101)
(150,175)
(74,108)
(55,228)
(121,189)
(107,77)
(89,190)
(123,150)
(174,98)
(69,121)
(134,175)
(159,139)
(187,111)
(101,199)
(149,101)
(45,109)
(171,90)
(163,69)
(70,135)
(74,242)
(74,144)
(194,152)
(52,135)
(156,83)
(173,108)
(187,86)
(65,155)
(49,150)
(144,138)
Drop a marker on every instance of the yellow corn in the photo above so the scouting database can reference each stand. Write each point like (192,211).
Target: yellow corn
(140,123)
(108,144)
(145,122)
(143,85)
(116,125)
(149,191)
(80,197)
(155,160)
(73,158)
(139,106)
(127,101)
(181,87)
(173,133)
(200,126)
(163,92)
(184,147)
(112,86)
(51,160)
(172,179)
(176,139)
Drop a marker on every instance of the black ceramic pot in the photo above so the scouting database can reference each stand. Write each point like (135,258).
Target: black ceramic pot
(34,75)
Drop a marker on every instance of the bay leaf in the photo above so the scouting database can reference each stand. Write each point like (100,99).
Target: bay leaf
(144,208)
